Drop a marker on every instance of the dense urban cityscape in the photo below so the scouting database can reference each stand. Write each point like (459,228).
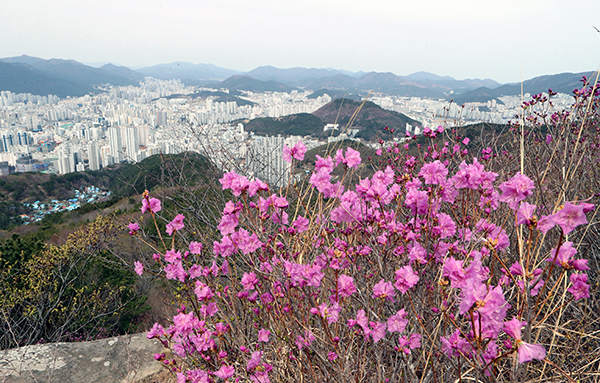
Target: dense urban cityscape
(128,124)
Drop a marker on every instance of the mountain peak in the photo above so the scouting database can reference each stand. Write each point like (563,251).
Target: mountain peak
(427,76)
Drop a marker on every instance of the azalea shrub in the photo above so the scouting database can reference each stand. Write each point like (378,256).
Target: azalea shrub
(441,266)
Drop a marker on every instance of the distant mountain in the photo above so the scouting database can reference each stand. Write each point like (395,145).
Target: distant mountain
(71,70)
(22,78)
(297,77)
(187,71)
(426,76)
(420,84)
(389,83)
(123,72)
(339,82)
(562,83)
(250,84)
(60,77)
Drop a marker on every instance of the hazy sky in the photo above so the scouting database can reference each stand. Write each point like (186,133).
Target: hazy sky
(495,39)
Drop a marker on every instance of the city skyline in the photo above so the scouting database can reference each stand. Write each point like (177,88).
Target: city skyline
(504,41)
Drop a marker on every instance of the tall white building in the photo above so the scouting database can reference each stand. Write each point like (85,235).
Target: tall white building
(144,135)
(115,143)
(93,156)
(64,159)
(265,160)
(132,143)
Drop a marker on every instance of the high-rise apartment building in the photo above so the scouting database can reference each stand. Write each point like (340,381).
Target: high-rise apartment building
(132,144)
(115,143)
(93,156)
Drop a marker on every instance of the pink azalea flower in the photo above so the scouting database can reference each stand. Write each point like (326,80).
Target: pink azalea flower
(377,331)
(228,224)
(203,291)
(417,201)
(472,176)
(352,159)
(527,352)
(453,269)
(287,154)
(221,328)
(156,331)
(195,247)
(305,341)
(345,286)
(455,345)
(325,164)
(301,224)
(545,223)
(580,289)
(175,271)
(406,278)
(225,372)
(569,217)
(397,323)
(407,344)
(133,228)
(196,376)
(300,151)
(434,173)
(417,253)
(245,242)
(224,248)
(525,213)
(254,360)
(225,267)
(172,256)
(139,268)
(151,204)
(176,224)
(235,182)
(320,179)
(565,255)
(516,190)
(263,335)
(446,227)
(255,186)
(297,152)
(384,289)
(249,281)
(186,323)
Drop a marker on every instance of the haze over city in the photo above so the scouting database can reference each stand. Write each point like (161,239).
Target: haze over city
(505,41)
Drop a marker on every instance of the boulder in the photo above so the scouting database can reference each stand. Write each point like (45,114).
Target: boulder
(126,358)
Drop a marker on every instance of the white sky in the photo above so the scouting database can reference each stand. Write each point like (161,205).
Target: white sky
(495,39)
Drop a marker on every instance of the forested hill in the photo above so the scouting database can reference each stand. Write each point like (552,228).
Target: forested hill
(122,180)
(371,121)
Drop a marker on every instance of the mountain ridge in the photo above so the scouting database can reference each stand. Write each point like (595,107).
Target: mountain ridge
(30,74)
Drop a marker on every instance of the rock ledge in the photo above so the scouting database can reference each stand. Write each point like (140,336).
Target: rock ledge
(125,359)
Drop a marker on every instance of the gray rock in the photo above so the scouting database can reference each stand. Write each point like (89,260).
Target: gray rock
(123,359)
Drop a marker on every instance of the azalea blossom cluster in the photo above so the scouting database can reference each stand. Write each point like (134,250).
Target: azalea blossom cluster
(366,279)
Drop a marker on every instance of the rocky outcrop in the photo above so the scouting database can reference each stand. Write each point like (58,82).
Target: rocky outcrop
(120,359)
